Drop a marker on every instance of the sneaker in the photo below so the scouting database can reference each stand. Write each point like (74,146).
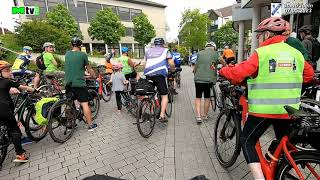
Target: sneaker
(163,119)
(22,158)
(92,127)
(25,141)
(199,120)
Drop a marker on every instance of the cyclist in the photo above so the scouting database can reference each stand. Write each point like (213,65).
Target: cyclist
(310,43)
(21,63)
(108,64)
(228,55)
(276,71)
(127,64)
(50,62)
(205,75)
(156,70)
(76,62)
(177,62)
(6,105)
(193,58)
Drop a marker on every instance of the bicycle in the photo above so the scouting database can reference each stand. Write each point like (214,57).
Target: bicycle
(63,115)
(94,102)
(33,130)
(104,90)
(178,76)
(216,96)
(49,85)
(231,128)
(148,111)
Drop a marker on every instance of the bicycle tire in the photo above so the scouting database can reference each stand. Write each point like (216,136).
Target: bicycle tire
(213,99)
(143,117)
(47,90)
(30,117)
(236,131)
(94,102)
(51,117)
(170,104)
(106,95)
(178,80)
(300,158)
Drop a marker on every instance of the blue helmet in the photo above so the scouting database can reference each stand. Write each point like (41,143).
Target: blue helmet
(124,50)
(158,41)
(27,48)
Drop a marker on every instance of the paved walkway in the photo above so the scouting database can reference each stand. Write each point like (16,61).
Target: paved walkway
(178,150)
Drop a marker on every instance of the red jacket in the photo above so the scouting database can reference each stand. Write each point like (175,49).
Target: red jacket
(249,68)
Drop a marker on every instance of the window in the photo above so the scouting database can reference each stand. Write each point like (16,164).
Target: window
(53,3)
(92,9)
(135,12)
(78,12)
(124,13)
(129,32)
(139,50)
(116,49)
(99,48)
(114,8)
(40,3)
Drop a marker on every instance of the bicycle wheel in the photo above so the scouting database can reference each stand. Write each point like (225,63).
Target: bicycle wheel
(178,79)
(34,131)
(47,90)
(213,100)
(62,120)
(305,161)
(94,102)
(227,138)
(106,92)
(170,104)
(146,118)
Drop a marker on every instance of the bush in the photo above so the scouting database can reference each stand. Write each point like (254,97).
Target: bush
(9,41)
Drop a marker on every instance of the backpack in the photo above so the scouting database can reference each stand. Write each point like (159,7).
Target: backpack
(42,110)
(144,87)
(315,50)
(40,62)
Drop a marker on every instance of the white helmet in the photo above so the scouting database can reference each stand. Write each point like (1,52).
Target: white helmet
(211,44)
(47,44)
(226,47)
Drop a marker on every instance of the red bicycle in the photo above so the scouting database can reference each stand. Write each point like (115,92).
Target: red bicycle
(284,160)
(104,89)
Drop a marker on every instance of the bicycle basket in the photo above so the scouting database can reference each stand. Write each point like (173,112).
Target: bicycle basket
(144,87)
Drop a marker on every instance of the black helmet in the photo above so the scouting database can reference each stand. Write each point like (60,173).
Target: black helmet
(75,41)
(306,28)
(158,41)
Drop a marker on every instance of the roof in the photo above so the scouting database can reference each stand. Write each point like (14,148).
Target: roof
(226,11)
(146,2)
(213,14)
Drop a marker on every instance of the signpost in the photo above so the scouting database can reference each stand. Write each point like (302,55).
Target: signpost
(276,10)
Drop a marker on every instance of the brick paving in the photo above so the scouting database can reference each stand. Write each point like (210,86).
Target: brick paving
(178,150)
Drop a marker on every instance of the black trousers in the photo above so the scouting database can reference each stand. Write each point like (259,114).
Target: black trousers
(254,129)
(118,99)
(13,131)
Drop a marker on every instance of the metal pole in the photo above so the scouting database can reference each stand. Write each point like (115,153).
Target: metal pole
(1,47)
(241,41)
(256,15)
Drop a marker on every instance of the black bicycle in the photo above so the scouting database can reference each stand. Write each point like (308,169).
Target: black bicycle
(149,110)
(64,113)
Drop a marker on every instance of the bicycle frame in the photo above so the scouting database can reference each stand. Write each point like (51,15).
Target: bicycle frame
(269,168)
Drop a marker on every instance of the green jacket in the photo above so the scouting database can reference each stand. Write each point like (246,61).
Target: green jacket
(204,73)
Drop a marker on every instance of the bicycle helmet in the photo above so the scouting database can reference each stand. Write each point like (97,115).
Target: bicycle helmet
(174,49)
(273,24)
(158,41)
(306,28)
(117,66)
(4,64)
(47,44)
(124,50)
(211,44)
(27,48)
(75,41)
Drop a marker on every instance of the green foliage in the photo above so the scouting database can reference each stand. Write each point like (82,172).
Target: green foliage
(143,29)
(106,26)
(183,51)
(9,41)
(62,19)
(225,36)
(194,29)
(35,33)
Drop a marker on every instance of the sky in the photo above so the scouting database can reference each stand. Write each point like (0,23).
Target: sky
(173,12)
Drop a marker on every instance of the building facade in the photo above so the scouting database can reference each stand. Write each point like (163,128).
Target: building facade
(85,10)
(219,18)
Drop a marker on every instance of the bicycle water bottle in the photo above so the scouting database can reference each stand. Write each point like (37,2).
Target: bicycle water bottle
(97,84)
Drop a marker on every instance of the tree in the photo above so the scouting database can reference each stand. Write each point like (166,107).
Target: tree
(35,33)
(194,29)
(143,29)
(106,26)
(225,36)
(61,18)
